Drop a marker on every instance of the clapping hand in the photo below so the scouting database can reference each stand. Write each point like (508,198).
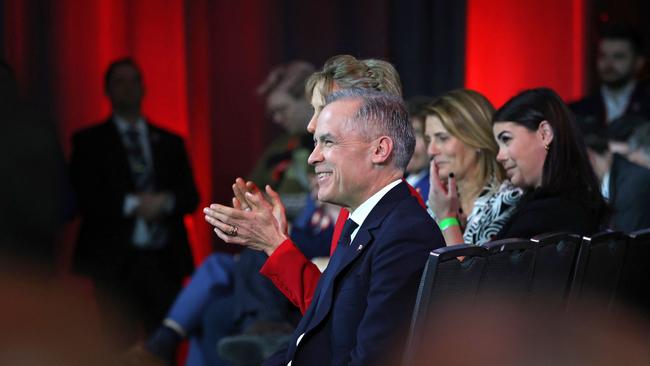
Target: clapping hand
(253,221)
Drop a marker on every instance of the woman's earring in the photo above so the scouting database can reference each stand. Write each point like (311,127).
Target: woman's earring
(546,147)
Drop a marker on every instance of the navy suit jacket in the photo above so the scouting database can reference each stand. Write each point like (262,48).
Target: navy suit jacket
(371,294)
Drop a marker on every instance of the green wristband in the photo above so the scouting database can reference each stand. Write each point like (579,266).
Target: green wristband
(448,222)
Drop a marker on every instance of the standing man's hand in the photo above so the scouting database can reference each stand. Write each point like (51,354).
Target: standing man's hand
(152,205)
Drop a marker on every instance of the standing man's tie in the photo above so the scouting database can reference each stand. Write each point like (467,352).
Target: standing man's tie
(140,169)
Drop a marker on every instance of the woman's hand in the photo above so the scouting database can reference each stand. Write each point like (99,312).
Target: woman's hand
(443,198)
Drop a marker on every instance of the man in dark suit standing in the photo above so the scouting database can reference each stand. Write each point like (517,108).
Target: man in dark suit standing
(363,142)
(134,185)
(620,60)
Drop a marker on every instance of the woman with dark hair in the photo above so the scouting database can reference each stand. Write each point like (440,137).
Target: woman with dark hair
(542,151)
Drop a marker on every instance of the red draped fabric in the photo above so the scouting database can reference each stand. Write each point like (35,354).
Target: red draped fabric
(514,45)
(202,61)
(88,35)
(242,47)
(17,32)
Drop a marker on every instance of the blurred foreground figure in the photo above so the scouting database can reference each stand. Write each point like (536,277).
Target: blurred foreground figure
(43,322)
(49,323)
(32,181)
(505,333)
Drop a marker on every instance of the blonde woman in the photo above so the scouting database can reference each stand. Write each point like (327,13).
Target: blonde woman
(345,71)
(469,196)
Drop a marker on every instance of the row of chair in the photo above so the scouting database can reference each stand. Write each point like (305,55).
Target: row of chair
(558,268)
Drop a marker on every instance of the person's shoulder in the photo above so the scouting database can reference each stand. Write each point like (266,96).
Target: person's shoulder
(408,225)
(398,202)
(410,205)
(550,203)
(565,212)
(569,205)
(409,215)
(634,175)
(94,131)
(158,132)
(586,102)
(155,127)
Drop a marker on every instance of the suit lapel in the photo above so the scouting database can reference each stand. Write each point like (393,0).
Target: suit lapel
(362,241)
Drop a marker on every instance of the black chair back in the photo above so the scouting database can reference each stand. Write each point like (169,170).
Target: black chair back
(599,267)
(444,279)
(634,286)
(510,267)
(554,268)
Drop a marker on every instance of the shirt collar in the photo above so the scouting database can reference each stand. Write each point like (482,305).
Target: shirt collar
(619,94)
(123,125)
(361,213)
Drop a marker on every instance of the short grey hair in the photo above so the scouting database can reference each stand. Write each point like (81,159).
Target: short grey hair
(640,140)
(381,114)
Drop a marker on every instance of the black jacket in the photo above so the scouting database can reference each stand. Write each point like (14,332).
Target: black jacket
(101,178)
(592,107)
(535,216)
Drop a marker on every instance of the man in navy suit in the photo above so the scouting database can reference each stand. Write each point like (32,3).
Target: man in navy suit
(363,142)
(134,185)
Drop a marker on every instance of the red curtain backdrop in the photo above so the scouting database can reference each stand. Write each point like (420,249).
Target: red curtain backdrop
(514,45)
(242,48)
(201,61)
(88,35)
(17,34)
